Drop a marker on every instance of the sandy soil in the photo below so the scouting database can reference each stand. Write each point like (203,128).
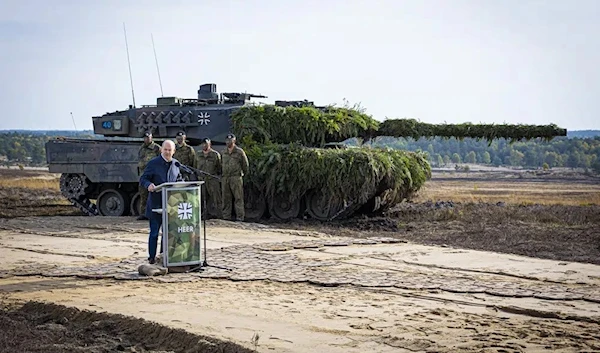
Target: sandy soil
(338,295)
(440,276)
(42,327)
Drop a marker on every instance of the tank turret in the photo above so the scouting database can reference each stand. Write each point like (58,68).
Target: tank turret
(205,116)
(299,163)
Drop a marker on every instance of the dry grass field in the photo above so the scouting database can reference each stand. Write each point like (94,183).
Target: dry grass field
(513,188)
(30,193)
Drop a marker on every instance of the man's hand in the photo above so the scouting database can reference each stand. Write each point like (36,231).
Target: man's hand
(151,187)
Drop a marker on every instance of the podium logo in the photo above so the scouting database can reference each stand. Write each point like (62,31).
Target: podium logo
(184,210)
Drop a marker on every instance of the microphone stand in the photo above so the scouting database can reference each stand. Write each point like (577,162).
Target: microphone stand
(191,170)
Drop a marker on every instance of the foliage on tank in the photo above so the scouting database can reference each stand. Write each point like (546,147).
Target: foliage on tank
(307,126)
(352,174)
(415,129)
(313,127)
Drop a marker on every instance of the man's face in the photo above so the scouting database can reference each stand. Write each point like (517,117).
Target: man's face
(229,142)
(147,139)
(167,151)
(205,146)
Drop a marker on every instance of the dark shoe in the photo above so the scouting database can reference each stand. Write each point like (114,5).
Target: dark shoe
(152,261)
(142,218)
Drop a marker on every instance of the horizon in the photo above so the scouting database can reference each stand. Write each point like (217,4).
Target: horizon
(92,131)
(458,61)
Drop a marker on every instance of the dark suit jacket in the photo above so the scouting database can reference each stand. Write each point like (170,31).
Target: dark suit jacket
(156,172)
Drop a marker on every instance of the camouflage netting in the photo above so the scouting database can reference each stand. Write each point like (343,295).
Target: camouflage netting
(354,174)
(307,126)
(314,127)
(489,132)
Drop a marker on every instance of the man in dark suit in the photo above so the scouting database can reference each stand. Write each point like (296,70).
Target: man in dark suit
(161,169)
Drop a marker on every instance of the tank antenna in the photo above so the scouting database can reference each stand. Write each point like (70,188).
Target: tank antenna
(73,121)
(129,64)
(157,70)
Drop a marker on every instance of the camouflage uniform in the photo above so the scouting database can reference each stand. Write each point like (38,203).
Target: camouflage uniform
(146,152)
(235,166)
(186,155)
(211,163)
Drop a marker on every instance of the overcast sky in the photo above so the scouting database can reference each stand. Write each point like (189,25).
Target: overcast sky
(513,61)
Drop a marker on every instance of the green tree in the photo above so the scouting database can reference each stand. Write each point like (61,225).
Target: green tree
(456,158)
(430,149)
(516,158)
(530,159)
(440,160)
(552,158)
(471,157)
(446,159)
(486,158)
(596,167)
(572,160)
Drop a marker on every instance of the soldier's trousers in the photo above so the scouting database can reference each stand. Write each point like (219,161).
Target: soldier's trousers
(233,187)
(214,197)
(143,199)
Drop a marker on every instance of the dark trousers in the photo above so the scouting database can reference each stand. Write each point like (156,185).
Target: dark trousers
(155,223)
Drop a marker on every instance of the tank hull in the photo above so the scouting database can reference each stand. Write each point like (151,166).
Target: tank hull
(100,177)
(104,171)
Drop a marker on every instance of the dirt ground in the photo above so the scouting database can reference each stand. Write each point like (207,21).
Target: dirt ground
(471,271)
(41,327)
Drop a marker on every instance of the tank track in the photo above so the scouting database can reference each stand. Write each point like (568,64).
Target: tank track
(72,187)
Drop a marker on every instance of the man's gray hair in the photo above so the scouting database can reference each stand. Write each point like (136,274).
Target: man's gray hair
(170,143)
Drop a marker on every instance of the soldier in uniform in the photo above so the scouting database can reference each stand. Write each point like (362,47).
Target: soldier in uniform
(184,153)
(235,166)
(147,151)
(209,161)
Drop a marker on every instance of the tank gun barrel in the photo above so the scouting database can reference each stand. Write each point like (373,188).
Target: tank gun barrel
(312,126)
(514,132)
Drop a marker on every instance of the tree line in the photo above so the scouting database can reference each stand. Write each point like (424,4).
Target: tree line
(570,152)
(560,152)
(28,147)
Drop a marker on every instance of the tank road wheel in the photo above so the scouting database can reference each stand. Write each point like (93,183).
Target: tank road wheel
(112,203)
(255,204)
(134,205)
(323,207)
(283,209)
(73,185)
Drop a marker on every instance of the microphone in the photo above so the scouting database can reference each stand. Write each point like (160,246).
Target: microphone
(194,170)
(184,167)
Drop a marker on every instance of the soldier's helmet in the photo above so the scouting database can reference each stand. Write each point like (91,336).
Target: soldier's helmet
(148,133)
(230,137)
(205,140)
(181,133)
